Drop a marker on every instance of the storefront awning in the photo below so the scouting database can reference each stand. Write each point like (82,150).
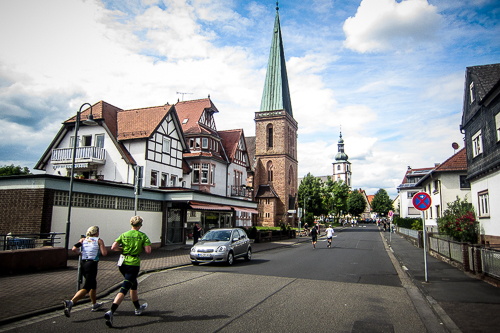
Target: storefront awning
(246,210)
(205,206)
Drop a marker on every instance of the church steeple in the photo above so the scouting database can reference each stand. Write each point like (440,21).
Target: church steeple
(276,95)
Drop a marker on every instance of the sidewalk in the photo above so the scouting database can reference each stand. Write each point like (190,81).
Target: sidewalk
(26,295)
(472,304)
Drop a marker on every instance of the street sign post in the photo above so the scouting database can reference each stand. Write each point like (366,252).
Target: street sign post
(422,201)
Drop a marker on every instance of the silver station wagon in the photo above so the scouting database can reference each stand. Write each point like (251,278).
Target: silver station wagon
(222,245)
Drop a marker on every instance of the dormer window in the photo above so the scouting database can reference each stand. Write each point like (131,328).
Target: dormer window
(471,92)
(185,121)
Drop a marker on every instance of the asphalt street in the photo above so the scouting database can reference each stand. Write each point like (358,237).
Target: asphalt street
(351,287)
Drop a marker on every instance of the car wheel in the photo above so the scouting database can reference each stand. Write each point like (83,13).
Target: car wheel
(230,258)
(248,256)
(195,263)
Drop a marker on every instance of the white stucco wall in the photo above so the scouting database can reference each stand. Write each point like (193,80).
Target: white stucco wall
(491,225)
(111,223)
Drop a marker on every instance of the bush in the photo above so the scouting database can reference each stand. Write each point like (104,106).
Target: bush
(459,222)
(407,222)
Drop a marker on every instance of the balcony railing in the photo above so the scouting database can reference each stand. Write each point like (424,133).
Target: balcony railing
(93,155)
(239,191)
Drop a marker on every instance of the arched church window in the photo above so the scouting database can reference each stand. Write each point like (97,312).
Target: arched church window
(269,171)
(270,136)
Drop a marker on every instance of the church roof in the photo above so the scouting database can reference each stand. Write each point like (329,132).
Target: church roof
(276,95)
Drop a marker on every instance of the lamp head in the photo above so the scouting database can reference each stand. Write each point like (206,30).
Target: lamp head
(90,121)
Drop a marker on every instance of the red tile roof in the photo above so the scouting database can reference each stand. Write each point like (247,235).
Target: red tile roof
(457,162)
(192,111)
(140,123)
(230,141)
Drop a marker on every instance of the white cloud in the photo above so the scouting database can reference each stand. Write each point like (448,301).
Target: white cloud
(381,25)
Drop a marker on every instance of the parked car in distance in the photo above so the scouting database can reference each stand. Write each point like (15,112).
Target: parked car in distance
(222,245)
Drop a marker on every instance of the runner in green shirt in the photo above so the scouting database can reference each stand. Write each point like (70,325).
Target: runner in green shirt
(132,243)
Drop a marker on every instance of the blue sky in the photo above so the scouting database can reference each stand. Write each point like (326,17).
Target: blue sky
(390,73)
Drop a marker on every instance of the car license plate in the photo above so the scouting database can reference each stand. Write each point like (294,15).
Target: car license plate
(204,255)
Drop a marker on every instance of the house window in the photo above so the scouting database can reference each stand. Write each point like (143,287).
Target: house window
(191,143)
(173,181)
(99,140)
(154,178)
(471,92)
(411,194)
(497,124)
(212,175)
(166,145)
(197,143)
(204,143)
(436,186)
(164,179)
(72,141)
(464,183)
(477,144)
(483,204)
(438,211)
(338,167)
(196,173)
(204,173)
(86,140)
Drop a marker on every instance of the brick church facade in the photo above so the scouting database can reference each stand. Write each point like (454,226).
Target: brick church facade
(274,147)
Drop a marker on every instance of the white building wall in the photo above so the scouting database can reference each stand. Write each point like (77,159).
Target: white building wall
(115,168)
(220,179)
(489,226)
(407,203)
(111,222)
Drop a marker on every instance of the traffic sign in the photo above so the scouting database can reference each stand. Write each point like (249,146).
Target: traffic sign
(422,201)
(391,213)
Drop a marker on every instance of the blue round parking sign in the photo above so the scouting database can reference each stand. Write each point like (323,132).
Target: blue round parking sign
(422,201)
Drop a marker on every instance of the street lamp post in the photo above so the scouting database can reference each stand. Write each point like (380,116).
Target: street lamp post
(89,121)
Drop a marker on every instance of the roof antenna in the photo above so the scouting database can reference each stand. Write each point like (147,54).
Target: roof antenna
(182,93)
(277,5)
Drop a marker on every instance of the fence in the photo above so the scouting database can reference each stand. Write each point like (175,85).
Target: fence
(408,232)
(29,241)
(472,258)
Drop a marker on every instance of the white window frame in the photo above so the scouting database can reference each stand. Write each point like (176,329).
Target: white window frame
(99,140)
(154,178)
(191,143)
(164,179)
(483,204)
(197,143)
(497,124)
(477,144)
(173,181)
(212,175)
(196,171)
(471,92)
(166,145)
(204,143)
(72,141)
(204,173)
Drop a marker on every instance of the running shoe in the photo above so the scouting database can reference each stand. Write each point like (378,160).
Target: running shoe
(96,306)
(109,318)
(139,311)
(67,308)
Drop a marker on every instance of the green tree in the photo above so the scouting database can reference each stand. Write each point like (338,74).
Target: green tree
(310,194)
(356,203)
(459,222)
(381,203)
(335,196)
(11,170)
